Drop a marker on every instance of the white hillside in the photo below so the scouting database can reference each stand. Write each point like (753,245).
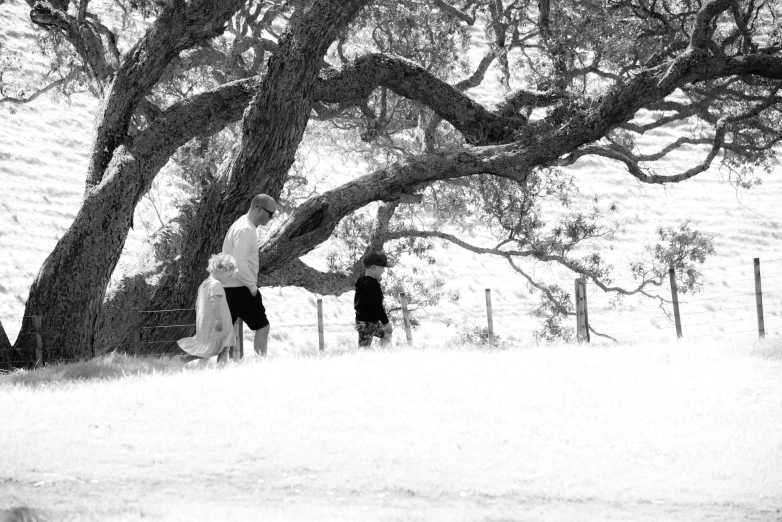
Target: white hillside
(43,154)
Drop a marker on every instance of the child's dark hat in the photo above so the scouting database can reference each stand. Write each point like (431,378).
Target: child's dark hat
(377,259)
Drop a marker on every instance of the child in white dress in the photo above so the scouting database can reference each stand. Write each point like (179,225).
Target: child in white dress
(214,328)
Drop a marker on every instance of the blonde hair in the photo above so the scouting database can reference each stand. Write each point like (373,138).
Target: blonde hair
(222,263)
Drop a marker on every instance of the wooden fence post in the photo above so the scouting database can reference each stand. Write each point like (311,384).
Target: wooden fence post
(136,331)
(38,324)
(237,352)
(321,341)
(675,298)
(406,318)
(759,299)
(582,317)
(489,319)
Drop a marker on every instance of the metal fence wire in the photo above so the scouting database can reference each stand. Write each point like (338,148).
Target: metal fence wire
(153,329)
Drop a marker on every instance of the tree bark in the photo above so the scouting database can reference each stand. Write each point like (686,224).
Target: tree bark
(362,76)
(179,27)
(69,288)
(5,344)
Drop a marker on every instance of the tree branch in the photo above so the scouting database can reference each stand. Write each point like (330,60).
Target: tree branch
(298,273)
(631,161)
(43,90)
(313,222)
(200,115)
(225,104)
(515,101)
(357,81)
(179,27)
(399,234)
(82,11)
(681,114)
(701,34)
(449,9)
(468,83)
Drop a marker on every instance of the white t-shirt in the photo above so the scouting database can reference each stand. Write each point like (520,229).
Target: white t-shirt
(241,241)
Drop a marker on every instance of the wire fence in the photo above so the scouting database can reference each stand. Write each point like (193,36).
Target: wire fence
(732,308)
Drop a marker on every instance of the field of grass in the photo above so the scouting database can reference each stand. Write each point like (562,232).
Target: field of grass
(678,431)
(44,147)
(636,431)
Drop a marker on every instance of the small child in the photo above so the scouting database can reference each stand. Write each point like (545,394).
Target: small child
(371,318)
(214,328)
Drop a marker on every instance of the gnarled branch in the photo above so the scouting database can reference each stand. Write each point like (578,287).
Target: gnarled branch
(179,27)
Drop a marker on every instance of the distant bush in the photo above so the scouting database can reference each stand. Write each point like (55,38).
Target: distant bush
(479,336)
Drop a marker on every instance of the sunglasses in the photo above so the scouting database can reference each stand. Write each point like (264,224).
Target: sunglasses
(271,213)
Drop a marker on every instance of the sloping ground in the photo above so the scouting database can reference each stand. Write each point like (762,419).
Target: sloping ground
(676,431)
(43,156)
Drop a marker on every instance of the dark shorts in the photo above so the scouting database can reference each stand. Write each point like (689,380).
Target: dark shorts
(367,330)
(246,306)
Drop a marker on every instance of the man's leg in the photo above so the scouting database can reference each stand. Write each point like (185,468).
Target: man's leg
(261,341)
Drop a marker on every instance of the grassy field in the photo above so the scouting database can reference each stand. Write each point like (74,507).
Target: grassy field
(678,431)
(638,431)
(44,149)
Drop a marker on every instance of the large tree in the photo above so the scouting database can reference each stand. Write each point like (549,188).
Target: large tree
(586,68)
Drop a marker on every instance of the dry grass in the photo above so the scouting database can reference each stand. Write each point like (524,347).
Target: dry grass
(111,366)
(680,424)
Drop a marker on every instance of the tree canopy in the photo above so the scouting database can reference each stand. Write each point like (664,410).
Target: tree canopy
(242,80)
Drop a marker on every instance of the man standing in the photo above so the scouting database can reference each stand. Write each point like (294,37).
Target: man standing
(241,291)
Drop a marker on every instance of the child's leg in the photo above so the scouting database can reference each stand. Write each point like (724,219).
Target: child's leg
(203,361)
(186,358)
(222,357)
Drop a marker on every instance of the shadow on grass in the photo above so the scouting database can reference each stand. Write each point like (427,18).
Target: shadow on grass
(111,366)
(28,514)
(22,514)
(118,366)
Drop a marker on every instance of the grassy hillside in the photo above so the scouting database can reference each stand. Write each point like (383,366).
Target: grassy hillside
(43,155)
(672,432)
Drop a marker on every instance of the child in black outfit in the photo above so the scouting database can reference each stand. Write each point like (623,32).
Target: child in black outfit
(371,318)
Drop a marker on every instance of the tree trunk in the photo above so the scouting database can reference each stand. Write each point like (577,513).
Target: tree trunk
(272,130)
(5,344)
(69,288)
